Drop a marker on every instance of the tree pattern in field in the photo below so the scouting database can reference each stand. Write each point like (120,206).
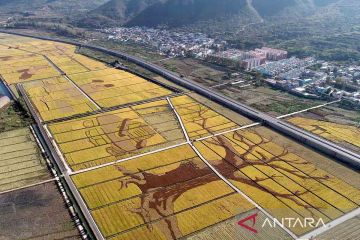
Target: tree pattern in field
(234,165)
(158,201)
(200,120)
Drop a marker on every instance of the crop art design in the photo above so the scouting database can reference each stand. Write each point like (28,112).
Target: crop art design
(165,195)
(283,183)
(56,98)
(103,138)
(200,120)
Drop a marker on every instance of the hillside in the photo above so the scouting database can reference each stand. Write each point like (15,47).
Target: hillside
(177,13)
(48,8)
(174,13)
(116,12)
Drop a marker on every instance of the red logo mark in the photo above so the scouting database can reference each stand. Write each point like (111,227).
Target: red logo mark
(253,218)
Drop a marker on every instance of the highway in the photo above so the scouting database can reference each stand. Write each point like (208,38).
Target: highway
(314,141)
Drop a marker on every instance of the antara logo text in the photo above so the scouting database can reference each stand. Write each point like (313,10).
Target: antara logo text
(249,222)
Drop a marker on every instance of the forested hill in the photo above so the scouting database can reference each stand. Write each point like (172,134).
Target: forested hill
(175,13)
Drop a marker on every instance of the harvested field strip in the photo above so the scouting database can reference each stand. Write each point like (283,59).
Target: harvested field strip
(57,98)
(278,204)
(36,172)
(36,212)
(304,171)
(14,133)
(20,161)
(199,120)
(15,147)
(18,154)
(9,170)
(14,140)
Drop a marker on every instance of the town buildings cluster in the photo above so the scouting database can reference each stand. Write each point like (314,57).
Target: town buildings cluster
(291,74)
(169,43)
(287,68)
(247,59)
(327,82)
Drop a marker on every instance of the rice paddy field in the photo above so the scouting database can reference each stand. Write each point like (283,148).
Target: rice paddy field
(106,137)
(35,213)
(21,163)
(134,169)
(281,182)
(332,123)
(112,87)
(165,195)
(230,230)
(347,230)
(20,66)
(339,133)
(56,98)
(64,56)
(200,120)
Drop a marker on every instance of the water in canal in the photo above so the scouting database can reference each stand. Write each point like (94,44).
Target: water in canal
(3,90)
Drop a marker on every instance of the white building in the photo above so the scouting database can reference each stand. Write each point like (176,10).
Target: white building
(4,101)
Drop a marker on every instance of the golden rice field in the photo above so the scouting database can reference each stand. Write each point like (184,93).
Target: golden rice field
(170,194)
(56,98)
(62,55)
(21,163)
(65,58)
(75,63)
(7,39)
(281,182)
(332,131)
(112,87)
(230,230)
(106,137)
(166,195)
(17,66)
(198,119)
(42,47)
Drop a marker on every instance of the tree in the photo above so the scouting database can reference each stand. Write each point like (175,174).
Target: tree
(160,191)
